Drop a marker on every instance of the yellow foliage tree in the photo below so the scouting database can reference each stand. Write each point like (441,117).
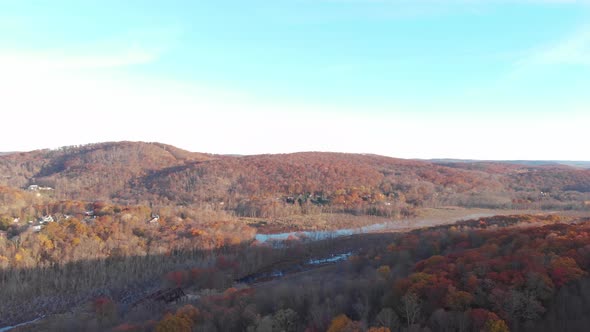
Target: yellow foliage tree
(45,242)
(341,323)
(188,312)
(173,323)
(496,325)
(384,271)
(379,329)
(4,261)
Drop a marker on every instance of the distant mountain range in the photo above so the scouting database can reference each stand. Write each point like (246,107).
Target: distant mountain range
(572,163)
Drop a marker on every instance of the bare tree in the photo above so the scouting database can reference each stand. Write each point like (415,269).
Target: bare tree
(387,318)
(410,305)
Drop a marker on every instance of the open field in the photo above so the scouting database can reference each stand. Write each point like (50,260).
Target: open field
(425,217)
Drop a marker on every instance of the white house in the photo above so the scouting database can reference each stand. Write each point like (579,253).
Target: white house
(36,187)
(46,219)
(154,219)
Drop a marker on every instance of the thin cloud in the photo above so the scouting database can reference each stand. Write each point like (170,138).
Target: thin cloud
(61,61)
(571,50)
(408,9)
(136,47)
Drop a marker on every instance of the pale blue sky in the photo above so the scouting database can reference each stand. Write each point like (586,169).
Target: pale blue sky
(424,78)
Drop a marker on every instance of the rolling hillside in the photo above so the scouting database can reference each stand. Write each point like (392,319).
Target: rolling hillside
(263,185)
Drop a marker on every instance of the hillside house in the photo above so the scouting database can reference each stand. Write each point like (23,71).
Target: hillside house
(154,219)
(46,219)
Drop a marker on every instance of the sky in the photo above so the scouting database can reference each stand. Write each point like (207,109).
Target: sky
(472,79)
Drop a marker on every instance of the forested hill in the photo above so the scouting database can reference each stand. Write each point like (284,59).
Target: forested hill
(92,172)
(263,185)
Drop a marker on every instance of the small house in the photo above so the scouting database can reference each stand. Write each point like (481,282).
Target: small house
(46,219)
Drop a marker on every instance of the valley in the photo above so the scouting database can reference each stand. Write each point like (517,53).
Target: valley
(87,231)
(295,166)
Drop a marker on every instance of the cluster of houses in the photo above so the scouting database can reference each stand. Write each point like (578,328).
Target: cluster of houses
(38,225)
(39,189)
(89,216)
(34,225)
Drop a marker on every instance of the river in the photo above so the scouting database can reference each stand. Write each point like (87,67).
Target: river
(397,225)
(8,328)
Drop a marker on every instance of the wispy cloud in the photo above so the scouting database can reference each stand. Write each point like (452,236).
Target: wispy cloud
(59,61)
(573,49)
(408,9)
(127,49)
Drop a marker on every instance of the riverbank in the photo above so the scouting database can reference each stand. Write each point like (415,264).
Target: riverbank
(427,218)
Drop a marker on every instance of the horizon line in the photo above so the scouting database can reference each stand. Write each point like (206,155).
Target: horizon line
(431,159)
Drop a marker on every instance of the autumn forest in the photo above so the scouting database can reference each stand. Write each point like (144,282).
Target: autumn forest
(132,236)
